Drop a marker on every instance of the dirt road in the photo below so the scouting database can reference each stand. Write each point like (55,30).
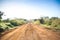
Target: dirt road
(31,32)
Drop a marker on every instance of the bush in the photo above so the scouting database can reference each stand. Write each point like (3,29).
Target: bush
(6,26)
(14,22)
(36,22)
(17,22)
(3,25)
(10,25)
(1,30)
(42,21)
(56,23)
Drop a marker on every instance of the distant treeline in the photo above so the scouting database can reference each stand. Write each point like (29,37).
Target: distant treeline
(53,22)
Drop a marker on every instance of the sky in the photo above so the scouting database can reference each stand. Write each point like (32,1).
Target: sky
(30,9)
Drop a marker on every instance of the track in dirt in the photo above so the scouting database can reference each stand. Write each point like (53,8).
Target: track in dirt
(31,32)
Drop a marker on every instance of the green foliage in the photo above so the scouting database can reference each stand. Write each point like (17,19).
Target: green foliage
(53,18)
(13,22)
(6,20)
(1,30)
(17,22)
(1,14)
(56,23)
(3,25)
(36,22)
(10,24)
(53,22)
(42,21)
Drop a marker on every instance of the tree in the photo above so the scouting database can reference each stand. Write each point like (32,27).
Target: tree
(53,18)
(1,13)
(7,20)
(42,21)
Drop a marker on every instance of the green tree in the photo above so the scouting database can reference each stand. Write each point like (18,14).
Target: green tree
(42,20)
(53,18)
(7,20)
(1,14)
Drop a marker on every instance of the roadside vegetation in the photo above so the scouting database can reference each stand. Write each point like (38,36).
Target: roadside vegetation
(50,23)
(8,24)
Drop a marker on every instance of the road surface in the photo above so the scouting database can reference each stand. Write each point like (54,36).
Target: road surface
(31,32)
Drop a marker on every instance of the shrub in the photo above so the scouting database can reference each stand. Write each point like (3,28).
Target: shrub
(1,30)
(17,22)
(36,22)
(56,23)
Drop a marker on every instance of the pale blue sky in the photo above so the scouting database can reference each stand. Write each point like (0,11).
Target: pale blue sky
(30,9)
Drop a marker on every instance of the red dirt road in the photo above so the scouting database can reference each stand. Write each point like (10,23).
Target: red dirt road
(31,32)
